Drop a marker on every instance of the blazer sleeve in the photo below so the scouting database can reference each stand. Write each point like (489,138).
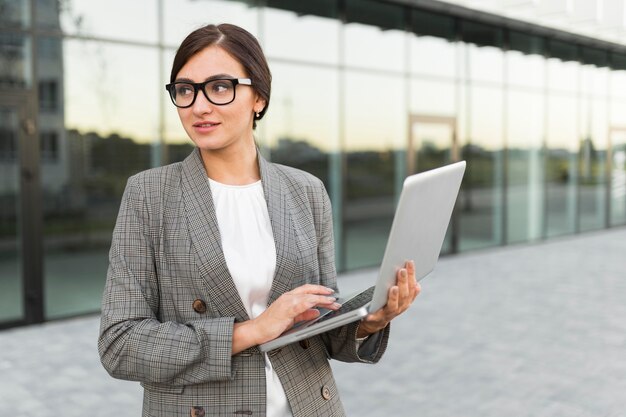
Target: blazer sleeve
(133,343)
(341,343)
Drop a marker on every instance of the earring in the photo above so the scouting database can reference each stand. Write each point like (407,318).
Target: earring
(258,114)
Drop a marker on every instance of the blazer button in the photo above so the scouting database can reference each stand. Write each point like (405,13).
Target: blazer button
(197,412)
(199,306)
(304,344)
(325,393)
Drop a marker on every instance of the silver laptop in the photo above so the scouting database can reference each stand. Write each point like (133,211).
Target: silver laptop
(417,233)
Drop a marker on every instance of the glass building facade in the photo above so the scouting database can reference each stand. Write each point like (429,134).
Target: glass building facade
(364,93)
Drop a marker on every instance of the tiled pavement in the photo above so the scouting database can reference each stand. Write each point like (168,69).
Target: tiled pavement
(537,330)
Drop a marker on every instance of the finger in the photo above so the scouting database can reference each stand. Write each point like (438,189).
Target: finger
(416,290)
(410,269)
(307,315)
(309,301)
(403,287)
(312,289)
(392,301)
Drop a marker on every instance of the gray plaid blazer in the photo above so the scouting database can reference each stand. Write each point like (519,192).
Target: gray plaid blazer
(170,303)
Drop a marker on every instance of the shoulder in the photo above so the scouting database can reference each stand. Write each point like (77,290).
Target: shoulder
(155,181)
(305,190)
(297,179)
(157,175)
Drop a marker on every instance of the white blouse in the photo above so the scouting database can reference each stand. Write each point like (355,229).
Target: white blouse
(250,252)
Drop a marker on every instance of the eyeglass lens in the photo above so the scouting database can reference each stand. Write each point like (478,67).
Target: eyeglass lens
(217,91)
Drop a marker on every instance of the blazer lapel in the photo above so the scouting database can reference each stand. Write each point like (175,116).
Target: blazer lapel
(279,208)
(206,240)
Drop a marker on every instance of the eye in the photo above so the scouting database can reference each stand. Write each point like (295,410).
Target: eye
(220,87)
(184,90)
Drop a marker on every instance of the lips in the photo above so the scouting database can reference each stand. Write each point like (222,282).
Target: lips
(205,124)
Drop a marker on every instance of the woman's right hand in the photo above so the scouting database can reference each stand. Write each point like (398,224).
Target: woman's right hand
(291,307)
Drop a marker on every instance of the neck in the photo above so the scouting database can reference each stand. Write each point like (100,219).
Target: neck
(232,167)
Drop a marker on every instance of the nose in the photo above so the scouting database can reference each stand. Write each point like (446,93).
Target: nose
(202,105)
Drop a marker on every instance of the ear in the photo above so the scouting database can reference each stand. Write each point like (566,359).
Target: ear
(259,104)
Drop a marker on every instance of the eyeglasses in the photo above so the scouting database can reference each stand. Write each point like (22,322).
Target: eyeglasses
(217,91)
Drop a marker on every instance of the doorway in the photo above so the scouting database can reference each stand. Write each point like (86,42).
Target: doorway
(432,144)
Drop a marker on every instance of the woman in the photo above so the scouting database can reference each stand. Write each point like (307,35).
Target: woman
(224,251)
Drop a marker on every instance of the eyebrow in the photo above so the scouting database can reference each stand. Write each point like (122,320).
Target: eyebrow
(212,77)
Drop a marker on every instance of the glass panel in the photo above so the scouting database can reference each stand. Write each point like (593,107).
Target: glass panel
(481,196)
(183,16)
(311,38)
(433,141)
(48,14)
(371,47)
(485,63)
(525,70)
(14,13)
(114,19)
(177,144)
(525,127)
(15,62)
(618,84)
(618,177)
(594,81)
(561,168)
(432,56)
(592,165)
(563,76)
(301,127)
(93,136)
(375,166)
(11,305)
(434,98)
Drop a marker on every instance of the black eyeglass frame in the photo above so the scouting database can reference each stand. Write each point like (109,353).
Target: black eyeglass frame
(201,87)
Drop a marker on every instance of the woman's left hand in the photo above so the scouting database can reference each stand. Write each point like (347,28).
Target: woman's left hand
(400,298)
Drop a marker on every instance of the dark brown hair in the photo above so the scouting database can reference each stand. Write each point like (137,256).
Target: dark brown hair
(240,44)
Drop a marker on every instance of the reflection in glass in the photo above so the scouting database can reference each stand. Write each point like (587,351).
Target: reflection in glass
(485,63)
(563,76)
(112,89)
(618,177)
(525,70)
(432,145)
(93,137)
(14,14)
(375,120)
(15,65)
(177,144)
(480,199)
(432,56)
(311,38)
(592,164)
(183,16)
(434,98)
(10,254)
(525,174)
(618,84)
(371,47)
(48,13)
(113,19)
(561,164)
(301,126)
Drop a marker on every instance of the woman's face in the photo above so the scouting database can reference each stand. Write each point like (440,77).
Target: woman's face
(212,127)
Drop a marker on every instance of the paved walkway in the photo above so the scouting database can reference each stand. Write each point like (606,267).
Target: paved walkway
(537,330)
